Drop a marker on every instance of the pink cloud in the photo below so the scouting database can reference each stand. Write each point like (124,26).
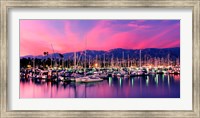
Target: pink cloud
(134,25)
(36,36)
(156,40)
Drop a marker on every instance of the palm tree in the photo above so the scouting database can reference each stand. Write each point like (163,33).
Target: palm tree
(45,54)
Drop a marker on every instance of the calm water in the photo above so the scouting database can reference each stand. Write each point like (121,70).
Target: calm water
(155,86)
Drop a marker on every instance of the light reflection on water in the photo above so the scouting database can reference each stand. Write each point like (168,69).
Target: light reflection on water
(155,86)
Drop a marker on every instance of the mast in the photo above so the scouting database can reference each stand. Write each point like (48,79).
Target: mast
(155,62)
(63,62)
(89,61)
(34,62)
(112,61)
(128,60)
(51,61)
(85,50)
(96,59)
(52,54)
(74,59)
(140,58)
(104,60)
(145,57)
(117,62)
(168,60)
(123,59)
(100,61)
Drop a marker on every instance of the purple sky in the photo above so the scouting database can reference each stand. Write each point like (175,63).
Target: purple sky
(36,36)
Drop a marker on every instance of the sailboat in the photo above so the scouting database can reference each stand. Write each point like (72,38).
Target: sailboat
(141,71)
(90,78)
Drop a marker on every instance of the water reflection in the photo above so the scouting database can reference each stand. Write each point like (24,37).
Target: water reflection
(154,86)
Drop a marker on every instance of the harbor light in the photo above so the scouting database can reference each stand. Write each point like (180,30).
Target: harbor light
(29,66)
(96,64)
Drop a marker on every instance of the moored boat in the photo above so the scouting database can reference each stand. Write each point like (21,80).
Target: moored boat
(90,79)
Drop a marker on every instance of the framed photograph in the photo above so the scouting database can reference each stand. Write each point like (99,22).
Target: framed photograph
(100,59)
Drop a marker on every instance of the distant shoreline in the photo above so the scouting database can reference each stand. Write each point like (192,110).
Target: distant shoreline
(31,56)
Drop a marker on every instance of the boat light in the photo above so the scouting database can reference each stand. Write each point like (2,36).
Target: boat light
(96,64)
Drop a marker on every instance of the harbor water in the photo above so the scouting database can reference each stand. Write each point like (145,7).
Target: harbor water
(152,86)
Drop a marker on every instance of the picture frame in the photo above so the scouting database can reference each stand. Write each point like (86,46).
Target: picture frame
(9,4)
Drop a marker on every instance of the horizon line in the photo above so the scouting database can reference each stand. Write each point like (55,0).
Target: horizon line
(100,50)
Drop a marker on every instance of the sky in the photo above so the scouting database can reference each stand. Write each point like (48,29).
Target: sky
(38,36)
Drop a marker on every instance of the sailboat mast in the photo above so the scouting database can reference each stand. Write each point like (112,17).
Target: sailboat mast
(168,60)
(140,58)
(52,54)
(74,59)
(89,61)
(104,60)
(128,60)
(96,59)
(117,62)
(155,62)
(123,59)
(112,61)
(85,50)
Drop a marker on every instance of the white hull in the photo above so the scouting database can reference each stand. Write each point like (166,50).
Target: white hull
(87,79)
(78,80)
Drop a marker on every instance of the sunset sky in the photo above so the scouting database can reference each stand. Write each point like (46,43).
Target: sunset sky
(36,36)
